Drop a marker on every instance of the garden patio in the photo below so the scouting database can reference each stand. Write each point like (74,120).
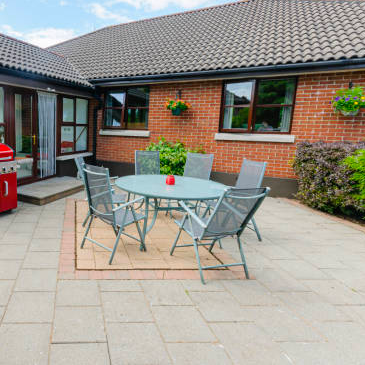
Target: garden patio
(304,303)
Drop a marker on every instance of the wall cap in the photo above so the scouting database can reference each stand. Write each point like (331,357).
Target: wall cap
(255,137)
(124,133)
(71,157)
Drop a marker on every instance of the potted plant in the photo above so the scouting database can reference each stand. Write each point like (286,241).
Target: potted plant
(176,106)
(349,101)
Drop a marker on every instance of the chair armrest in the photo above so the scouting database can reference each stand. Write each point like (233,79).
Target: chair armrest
(128,203)
(192,214)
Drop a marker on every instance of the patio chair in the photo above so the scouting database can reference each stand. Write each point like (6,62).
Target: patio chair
(250,176)
(235,208)
(117,198)
(102,206)
(198,165)
(147,162)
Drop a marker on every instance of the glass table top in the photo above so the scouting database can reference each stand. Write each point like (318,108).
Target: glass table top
(185,188)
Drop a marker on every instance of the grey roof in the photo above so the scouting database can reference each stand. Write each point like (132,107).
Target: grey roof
(241,34)
(22,56)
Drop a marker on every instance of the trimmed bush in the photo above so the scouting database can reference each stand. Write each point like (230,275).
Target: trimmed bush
(356,163)
(172,156)
(325,181)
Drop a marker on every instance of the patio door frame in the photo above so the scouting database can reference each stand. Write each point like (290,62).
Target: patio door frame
(11,91)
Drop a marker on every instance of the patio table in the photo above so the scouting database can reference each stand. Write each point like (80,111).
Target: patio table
(154,187)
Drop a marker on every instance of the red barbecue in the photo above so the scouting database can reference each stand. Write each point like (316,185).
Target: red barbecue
(8,183)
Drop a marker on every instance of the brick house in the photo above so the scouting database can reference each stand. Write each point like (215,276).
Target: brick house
(259,75)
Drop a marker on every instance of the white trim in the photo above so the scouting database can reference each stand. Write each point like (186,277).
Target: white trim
(124,133)
(255,137)
(70,157)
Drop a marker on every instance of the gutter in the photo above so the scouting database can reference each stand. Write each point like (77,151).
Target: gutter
(34,76)
(346,64)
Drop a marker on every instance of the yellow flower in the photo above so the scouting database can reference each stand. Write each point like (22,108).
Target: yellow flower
(356,103)
(363,98)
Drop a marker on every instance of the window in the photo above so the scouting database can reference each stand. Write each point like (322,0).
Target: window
(2,119)
(74,125)
(258,106)
(127,109)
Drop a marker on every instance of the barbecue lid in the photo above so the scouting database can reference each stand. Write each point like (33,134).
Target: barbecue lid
(6,153)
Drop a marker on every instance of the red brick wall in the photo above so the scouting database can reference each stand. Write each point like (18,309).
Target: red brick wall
(313,120)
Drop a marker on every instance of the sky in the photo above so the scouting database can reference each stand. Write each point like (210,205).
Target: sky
(47,22)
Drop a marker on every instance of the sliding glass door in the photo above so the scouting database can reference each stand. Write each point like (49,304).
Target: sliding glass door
(25,123)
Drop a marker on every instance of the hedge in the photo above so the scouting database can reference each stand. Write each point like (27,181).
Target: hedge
(325,181)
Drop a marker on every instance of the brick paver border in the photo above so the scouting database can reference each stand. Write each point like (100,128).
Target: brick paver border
(67,264)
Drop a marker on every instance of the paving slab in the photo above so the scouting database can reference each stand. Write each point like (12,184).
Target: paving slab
(77,293)
(41,260)
(78,324)
(45,244)
(5,291)
(335,292)
(165,292)
(251,292)
(36,280)
(12,252)
(196,285)
(198,354)
(312,307)
(9,269)
(119,285)
(30,307)
(79,354)
(182,324)
(246,343)
(219,307)
(126,307)
(300,269)
(136,344)
(24,344)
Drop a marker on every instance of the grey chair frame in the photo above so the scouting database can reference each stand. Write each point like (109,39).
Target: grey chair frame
(118,198)
(201,159)
(242,184)
(118,227)
(211,237)
(154,156)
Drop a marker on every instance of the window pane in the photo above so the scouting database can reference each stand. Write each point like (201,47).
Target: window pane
(113,117)
(81,138)
(273,119)
(276,91)
(138,96)
(81,111)
(1,105)
(2,134)
(115,99)
(238,93)
(236,118)
(137,119)
(67,139)
(68,110)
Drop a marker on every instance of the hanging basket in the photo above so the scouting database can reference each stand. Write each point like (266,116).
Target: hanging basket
(176,111)
(351,113)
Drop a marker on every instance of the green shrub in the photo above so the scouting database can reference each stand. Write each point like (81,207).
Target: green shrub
(172,156)
(356,163)
(324,181)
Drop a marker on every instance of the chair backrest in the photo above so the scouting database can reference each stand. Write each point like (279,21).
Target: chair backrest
(251,174)
(79,161)
(147,162)
(234,210)
(99,192)
(198,165)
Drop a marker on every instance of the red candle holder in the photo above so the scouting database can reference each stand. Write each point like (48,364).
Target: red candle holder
(170,180)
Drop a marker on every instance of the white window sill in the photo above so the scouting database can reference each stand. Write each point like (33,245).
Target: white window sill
(124,133)
(255,137)
(71,157)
